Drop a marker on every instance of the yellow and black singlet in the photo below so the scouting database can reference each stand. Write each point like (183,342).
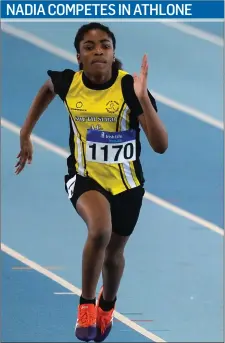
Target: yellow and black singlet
(104,128)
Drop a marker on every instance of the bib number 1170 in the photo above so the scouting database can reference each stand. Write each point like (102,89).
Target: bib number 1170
(109,153)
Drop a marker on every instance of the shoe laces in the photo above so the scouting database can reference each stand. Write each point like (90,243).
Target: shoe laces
(87,315)
(104,318)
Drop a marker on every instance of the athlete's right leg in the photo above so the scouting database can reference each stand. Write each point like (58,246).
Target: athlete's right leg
(94,209)
(91,202)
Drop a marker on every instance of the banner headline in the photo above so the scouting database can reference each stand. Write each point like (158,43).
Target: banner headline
(116,9)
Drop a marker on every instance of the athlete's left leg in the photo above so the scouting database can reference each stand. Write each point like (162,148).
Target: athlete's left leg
(125,212)
(113,266)
(112,273)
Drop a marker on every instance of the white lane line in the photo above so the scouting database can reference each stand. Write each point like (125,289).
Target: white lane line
(76,290)
(40,43)
(64,293)
(33,39)
(167,205)
(189,110)
(183,213)
(196,32)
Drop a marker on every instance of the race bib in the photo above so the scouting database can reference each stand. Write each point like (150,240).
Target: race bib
(111,147)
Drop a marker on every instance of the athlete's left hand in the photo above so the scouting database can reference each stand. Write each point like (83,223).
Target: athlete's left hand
(140,81)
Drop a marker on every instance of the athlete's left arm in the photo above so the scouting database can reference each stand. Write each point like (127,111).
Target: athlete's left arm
(149,120)
(153,126)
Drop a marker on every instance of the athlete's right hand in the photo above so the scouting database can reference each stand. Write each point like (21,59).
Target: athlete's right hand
(25,154)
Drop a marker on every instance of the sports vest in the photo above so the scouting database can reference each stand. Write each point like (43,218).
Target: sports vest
(103,144)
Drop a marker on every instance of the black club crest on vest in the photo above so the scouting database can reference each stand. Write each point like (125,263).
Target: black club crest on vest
(112,106)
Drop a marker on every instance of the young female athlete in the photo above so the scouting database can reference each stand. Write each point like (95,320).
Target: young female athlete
(105,180)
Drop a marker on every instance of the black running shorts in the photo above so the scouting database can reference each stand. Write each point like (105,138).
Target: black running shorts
(125,206)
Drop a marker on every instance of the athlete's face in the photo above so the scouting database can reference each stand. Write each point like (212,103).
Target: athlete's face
(96,53)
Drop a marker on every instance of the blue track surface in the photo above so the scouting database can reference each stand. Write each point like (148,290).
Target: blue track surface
(173,262)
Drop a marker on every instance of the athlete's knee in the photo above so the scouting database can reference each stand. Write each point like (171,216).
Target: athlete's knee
(99,233)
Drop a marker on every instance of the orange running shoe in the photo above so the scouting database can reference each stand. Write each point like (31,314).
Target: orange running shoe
(104,321)
(85,329)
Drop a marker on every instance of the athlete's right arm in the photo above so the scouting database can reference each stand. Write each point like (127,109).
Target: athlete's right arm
(43,98)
